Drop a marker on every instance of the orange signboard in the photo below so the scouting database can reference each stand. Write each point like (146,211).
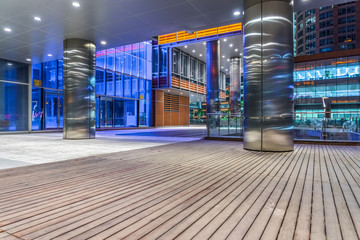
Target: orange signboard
(184,36)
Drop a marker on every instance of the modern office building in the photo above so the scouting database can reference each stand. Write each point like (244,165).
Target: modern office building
(328,28)
(169,74)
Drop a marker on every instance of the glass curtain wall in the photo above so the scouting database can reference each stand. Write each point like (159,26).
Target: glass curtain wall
(336,79)
(13,96)
(123,86)
(47,95)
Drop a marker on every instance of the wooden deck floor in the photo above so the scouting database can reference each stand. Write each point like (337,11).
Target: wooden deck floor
(194,190)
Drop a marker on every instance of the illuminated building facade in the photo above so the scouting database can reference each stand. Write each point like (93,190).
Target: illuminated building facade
(328,29)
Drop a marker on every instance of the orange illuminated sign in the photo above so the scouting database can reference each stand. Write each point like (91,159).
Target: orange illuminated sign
(185,36)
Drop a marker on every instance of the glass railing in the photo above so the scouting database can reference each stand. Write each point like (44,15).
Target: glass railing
(224,125)
(327,129)
(322,129)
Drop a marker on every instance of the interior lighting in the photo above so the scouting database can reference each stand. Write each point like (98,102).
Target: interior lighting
(228,60)
(222,67)
(9,64)
(225,40)
(204,43)
(236,13)
(7,29)
(28,59)
(76,4)
(231,45)
(200,55)
(236,50)
(185,46)
(50,55)
(37,18)
(193,50)
(223,56)
(103,42)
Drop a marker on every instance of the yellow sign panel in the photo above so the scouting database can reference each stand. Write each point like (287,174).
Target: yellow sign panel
(183,35)
(37,83)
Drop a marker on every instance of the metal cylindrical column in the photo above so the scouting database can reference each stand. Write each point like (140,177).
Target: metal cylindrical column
(79,89)
(235,85)
(212,77)
(268,75)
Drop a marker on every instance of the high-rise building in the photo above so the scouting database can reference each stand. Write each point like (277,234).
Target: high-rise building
(328,29)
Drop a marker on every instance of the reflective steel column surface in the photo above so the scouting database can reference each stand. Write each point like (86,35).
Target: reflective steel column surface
(268,75)
(212,77)
(79,89)
(235,85)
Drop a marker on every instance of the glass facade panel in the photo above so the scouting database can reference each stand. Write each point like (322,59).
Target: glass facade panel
(36,109)
(50,74)
(135,87)
(119,85)
(110,59)
(127,86)
(100,82)
(110,83)
(13,107)
(13,71)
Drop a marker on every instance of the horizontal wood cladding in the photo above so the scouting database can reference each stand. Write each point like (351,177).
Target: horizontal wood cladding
(172,111)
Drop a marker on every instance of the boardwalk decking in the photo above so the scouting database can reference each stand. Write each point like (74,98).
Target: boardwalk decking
(193,190)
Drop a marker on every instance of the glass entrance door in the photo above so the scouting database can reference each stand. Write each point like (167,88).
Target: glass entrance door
(106,112)
(53,111)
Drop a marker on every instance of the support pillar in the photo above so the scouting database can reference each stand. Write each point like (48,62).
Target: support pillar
(79,89)
(212,87)
(212,77)
(235,85)
(268,75)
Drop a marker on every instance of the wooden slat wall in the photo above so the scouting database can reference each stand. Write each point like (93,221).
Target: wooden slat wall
(159,108)
(171,110)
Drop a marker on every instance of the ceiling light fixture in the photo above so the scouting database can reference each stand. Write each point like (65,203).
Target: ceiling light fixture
(76,4)
(103,42)
(50,55)
(236,50)
(193,50)
(9,64)
(200,55)
(28,59)
(38,19)
(223,56)
(225,40)
(204,43)
(231,45)
(185,46)
(7,29)
(236,13)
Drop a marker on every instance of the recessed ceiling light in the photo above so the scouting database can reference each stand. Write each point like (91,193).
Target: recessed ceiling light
(222,67)
(223,56)
(200,55)
(168,90)
(227,69)
(9,64)
(50,55)
(225,40)
(193,50)
(7,29)
(103,42)
(228,60)
(236,50)
(204,43)
(38,19)
(28,59)
(76,4)
(236,13)
(231,45)
(185,46)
